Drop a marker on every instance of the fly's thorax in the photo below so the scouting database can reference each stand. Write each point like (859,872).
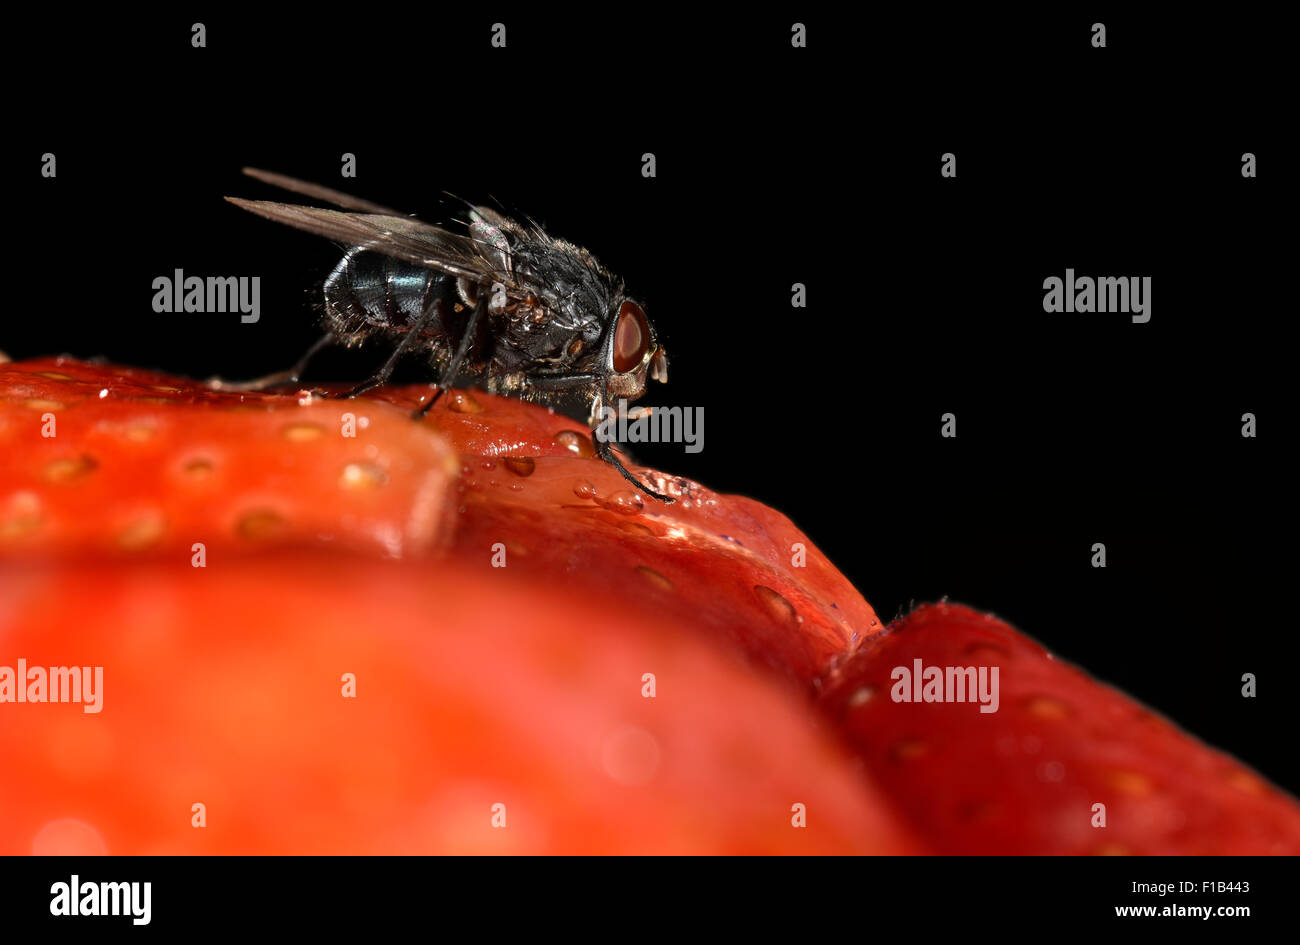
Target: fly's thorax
(547,329)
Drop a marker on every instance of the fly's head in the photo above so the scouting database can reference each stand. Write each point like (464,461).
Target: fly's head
(630,353)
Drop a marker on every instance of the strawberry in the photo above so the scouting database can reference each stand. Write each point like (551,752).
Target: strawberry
(224,556)
(531,487)
(223,686)
(1026,778)
(97,460)
(477,685)
(160,463)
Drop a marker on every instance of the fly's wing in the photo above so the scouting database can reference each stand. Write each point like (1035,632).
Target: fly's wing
(317,192)
(400,237)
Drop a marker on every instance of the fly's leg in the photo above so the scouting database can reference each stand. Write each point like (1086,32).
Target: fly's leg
(448,378)
(296,372)
(606,452)
(291,376)
(385,372)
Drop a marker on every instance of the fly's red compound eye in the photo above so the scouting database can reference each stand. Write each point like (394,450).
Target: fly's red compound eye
(631,337)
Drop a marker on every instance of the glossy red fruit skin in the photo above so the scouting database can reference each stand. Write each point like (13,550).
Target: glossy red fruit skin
(739,571)
(1024,779)
(224,687)
(106,461)
(483,478)
(485,683)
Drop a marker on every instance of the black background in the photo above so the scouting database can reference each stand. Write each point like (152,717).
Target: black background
(775,166)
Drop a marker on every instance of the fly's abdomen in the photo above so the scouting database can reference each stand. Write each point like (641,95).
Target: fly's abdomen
(368,291)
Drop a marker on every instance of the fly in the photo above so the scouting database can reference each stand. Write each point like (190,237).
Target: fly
(503,306)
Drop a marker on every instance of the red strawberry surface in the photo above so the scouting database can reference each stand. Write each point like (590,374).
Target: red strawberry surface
(226,557)
(157,463)
(129,462)
(1025,778)
(224,687)
(326,553)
